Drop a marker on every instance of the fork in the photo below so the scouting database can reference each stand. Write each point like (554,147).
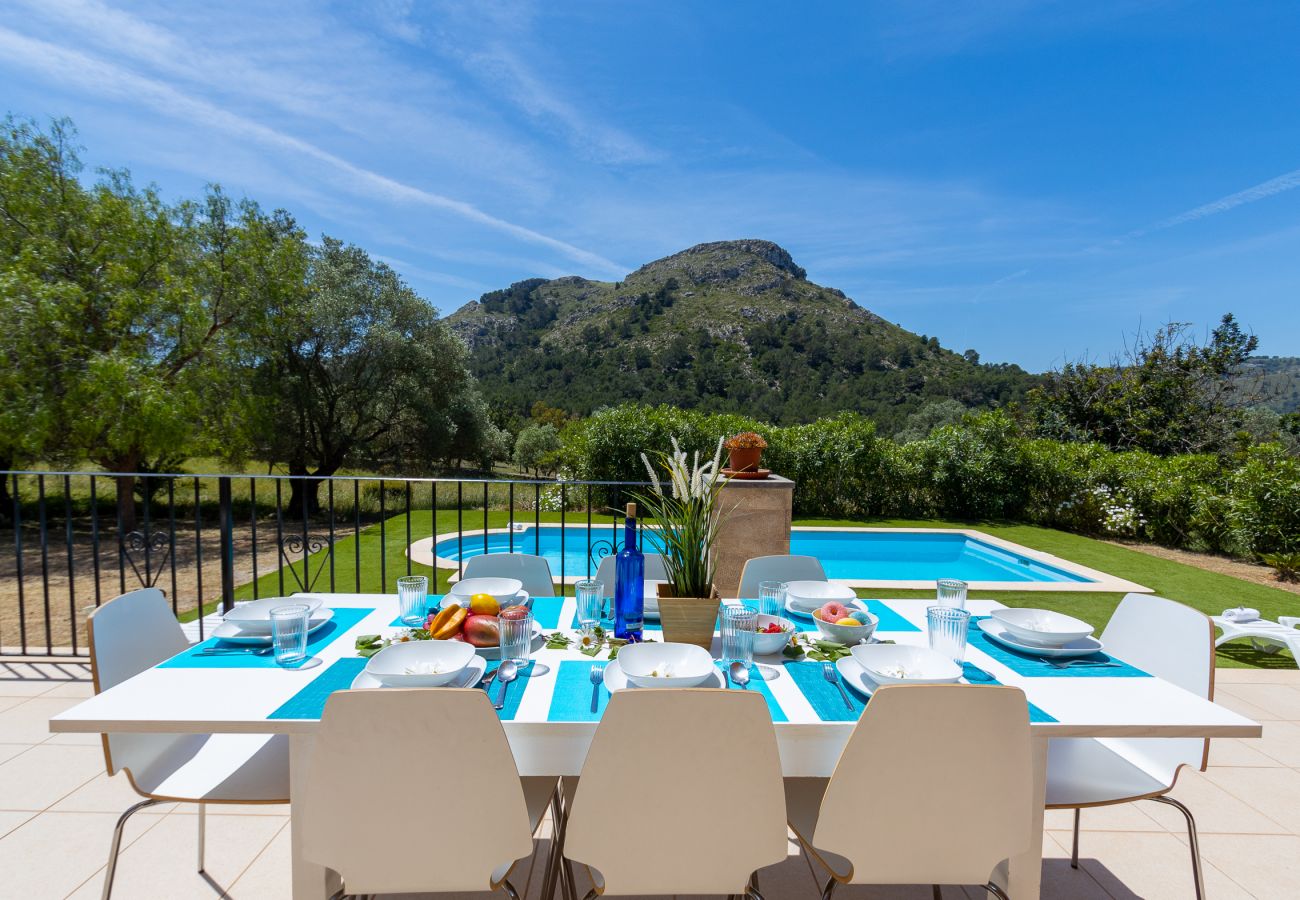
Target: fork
(597,678)
(1081,664)
(829,673)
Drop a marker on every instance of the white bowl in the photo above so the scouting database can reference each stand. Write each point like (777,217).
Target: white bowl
(1042,626)
(389,665)
(808,595)
(848,634)
(765,644)
(255,617)
(503,590)
(905,664)
(683,665)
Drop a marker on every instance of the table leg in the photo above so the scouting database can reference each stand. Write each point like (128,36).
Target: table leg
(310,881)
(1021,877)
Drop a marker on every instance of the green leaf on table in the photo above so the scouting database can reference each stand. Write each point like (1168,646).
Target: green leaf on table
(558,641)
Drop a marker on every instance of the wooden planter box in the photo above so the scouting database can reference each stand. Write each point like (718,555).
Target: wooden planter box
(688,620)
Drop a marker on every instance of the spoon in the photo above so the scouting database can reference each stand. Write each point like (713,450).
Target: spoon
(506,673)
(739,674)
(234,651)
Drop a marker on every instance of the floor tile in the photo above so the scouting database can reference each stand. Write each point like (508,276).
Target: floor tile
(9,820)
(45,774)
(1224,676)
(1281,741)
(24,680)
(1266,866)
(163,862)
(1151,866)
(1119,817)
(1060,879)
(267,876)
(104,794)
(29,722)
(78,689)
(234,809)
(1241,752)
(1217,809)
(1242,707)
(1281,700)
(9,751)
(1273,792)
(11,702)
(52,854)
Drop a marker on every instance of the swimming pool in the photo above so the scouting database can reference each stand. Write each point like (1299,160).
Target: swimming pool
(862,557)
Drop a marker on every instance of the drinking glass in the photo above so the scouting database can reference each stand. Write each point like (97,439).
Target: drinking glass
(738,626)
(516,635)
(947,626)
(590,597)
(412,599)
(289,633)
(771,597)
(951,592)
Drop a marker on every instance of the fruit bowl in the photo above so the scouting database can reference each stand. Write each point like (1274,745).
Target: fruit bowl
(806,596)
(503,590)
(772,642)
(845,633)
(432,663)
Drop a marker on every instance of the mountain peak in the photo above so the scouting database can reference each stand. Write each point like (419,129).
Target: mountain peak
(722,261)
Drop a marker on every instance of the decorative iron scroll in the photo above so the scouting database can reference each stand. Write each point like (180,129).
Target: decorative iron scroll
(296,548)
(601,549)
(137,542)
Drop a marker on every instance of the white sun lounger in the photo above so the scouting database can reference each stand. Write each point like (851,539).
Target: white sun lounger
(1264,634)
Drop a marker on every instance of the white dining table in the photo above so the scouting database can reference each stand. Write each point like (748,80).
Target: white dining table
(550,729)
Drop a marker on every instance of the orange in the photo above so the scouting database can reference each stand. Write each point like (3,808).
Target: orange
(484,605)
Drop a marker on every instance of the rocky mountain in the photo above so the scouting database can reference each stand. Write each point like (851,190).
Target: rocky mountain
(725,326)
(1274,380)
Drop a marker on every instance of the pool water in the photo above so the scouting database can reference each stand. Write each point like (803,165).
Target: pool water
(860,555)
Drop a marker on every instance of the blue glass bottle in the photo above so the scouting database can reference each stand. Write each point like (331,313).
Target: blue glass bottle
(629,582)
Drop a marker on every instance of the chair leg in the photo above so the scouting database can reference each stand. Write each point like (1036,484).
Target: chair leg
(1197,878)
(936,892)
(829,889)
(509,889)
(117,844)
(1074,850)
(553,867)
(203,832)
(996,891)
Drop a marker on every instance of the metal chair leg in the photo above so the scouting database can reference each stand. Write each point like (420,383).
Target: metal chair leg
(203,832)
(1074,852)
(996,891)
(1197,878)
(509,889)
(829,889)
(117,844)
(936,892)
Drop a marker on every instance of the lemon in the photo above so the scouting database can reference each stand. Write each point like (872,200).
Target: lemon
(484,605)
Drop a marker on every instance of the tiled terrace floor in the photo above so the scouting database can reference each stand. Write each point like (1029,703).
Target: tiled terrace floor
(57,810)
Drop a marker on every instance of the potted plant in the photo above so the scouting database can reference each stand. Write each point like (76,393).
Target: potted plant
(745,450)
(685,509)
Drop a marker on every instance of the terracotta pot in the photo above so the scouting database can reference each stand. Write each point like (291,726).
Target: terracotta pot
(745,459)
(688,620)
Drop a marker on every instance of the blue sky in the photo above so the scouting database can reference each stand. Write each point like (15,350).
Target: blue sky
(1036,180)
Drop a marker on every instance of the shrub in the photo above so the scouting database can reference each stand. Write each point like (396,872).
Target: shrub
(1264,501)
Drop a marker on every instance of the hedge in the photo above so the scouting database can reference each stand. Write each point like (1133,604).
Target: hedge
(984,468)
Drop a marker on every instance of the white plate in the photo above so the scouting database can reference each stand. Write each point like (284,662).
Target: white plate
(615,680)
(855,676)
(1084,647)
(469,677)
(809,595)
(924,665)
(255,617)
(237,634)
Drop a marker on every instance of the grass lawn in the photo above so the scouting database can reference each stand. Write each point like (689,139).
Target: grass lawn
(1209,592)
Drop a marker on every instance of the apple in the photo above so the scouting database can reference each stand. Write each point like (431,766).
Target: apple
(482,631)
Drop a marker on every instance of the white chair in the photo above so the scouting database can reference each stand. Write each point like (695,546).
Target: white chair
(933,787)
(1173,642)
(1263,634)
(707,762)
(779,568)
(655,570)
(532,570)
(135,632)
(459,829)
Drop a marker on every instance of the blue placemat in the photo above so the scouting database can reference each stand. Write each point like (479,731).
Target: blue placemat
(1037,667)
(975,675)
(823,696)
(309,702)
(517,689)
(345,617)
(890,620)
(546,612)
(571,701)
(756,684)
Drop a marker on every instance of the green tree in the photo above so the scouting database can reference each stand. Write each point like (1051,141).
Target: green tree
(1171,395)
(361,372)
(536,446)
(934,414)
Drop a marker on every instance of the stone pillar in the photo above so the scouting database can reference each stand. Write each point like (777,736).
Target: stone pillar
(756,522)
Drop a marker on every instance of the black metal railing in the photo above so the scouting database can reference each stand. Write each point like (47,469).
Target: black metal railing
(70,541)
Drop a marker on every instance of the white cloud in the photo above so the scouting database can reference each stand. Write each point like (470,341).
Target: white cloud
(105,79)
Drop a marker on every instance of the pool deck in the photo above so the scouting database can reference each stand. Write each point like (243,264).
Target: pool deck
(1100,582)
